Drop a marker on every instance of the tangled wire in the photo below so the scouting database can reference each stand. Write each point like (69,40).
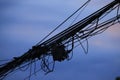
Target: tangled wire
(47,55)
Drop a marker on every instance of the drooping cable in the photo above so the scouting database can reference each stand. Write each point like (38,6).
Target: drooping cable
(94,30)
(85,50)
(35,68)
(30,71)
(45,62)
(69,58)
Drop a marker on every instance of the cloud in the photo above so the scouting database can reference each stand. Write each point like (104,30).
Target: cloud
(108,39)
(24,33)
(114,31)
(27,21)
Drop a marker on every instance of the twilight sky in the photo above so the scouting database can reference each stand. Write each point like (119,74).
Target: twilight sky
(23,23)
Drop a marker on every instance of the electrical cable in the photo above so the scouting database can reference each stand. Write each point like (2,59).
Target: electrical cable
(63,22)
(118,9)
(69,58)
(35,68)
(101,28)
(79,13)
(45,64)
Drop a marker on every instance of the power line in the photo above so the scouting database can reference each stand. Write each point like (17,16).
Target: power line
(64,21)
(55,49)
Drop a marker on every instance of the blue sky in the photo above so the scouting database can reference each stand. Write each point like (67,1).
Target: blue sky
(23,23)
